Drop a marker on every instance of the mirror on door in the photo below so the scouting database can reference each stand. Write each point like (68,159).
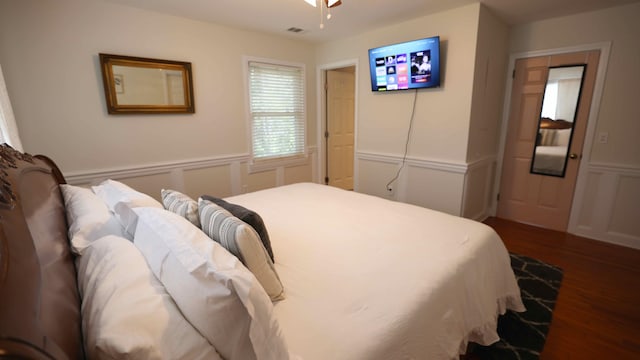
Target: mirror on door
(557,117)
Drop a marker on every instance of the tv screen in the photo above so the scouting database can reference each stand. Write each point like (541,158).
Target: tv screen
(408,65)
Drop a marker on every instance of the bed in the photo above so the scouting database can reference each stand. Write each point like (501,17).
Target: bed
(363,277)
(550,159)
(551,146)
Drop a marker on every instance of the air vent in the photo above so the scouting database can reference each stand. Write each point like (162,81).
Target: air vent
(295,30)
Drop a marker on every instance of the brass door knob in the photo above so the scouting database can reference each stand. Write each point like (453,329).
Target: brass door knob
(573,156)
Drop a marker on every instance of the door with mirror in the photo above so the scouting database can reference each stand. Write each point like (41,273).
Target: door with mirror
(550,102)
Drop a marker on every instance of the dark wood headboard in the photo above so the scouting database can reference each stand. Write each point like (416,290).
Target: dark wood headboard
(558,124)
(39,299)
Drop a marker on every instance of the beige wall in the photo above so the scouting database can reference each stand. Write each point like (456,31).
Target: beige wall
(57,95)
(619,111)
(442,115)
(455,135)
(607,196)
(49,54)
(491,60)
(48,51)
(486,113)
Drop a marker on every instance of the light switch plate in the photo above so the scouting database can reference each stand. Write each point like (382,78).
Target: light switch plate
(603,137)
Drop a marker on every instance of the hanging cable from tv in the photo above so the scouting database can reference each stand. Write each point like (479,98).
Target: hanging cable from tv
(406,145)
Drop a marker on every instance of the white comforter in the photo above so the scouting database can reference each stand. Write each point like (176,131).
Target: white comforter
(368,278)
(550,159)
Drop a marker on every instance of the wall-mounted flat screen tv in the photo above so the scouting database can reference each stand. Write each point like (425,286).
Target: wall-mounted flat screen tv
(407,65)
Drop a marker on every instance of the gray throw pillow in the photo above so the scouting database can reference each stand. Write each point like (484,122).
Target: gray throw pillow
(248,216)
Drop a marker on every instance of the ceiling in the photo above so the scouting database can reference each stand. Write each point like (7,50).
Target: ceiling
(353,16)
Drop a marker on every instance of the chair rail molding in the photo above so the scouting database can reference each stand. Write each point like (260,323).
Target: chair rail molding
(236,176)
(442,165)
(96,175)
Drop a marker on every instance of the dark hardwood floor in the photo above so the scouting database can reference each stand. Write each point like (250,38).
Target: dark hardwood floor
(597,315)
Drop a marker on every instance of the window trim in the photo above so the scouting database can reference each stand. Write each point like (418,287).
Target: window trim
(259,165)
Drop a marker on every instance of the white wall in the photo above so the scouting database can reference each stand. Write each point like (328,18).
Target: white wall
(48,51)
(384,117)
(442,116)
(607,198)
(619,110)
(454,141)
(486,114)
(57,95)
(49,54)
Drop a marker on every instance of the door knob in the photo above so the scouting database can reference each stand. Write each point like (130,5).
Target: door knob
(573,156)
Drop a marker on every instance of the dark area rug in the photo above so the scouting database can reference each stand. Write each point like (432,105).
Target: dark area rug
(522,335)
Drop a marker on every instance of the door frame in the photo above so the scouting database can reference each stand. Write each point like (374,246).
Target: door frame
(321,119)
(605,49)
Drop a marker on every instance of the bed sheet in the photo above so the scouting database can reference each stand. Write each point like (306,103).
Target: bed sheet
(550,159)
(369,278)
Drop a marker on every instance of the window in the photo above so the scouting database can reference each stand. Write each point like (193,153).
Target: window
(8,128)
(276,110)
(550,102)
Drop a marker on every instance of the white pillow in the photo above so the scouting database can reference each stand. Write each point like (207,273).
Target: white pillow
(547,137)
(120,199)
(113,192)
(214,291)
(88,217)
(562,137)
(181,204)
(243,242)
(127,313)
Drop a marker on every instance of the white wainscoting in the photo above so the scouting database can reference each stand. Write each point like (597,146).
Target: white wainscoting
(459,189)
(97,175)
(478,188)
(609,206)
(221,176)
(456,188)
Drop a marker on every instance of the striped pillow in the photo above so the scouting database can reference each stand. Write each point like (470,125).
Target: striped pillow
(246,215)
(181,204)
(242,241)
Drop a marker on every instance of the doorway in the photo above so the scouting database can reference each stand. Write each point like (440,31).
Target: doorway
(339,126)
(531,190)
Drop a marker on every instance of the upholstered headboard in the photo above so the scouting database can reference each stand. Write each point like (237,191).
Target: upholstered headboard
(39,299)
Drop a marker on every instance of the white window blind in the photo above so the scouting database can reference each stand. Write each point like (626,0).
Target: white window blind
(277,110)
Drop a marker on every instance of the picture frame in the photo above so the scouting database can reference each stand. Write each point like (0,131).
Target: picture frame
(154,86)
(118,83)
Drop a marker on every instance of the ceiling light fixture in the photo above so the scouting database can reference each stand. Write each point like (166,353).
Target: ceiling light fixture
(328,3)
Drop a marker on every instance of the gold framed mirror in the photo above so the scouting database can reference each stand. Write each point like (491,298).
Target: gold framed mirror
(135,85)
(557,120)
